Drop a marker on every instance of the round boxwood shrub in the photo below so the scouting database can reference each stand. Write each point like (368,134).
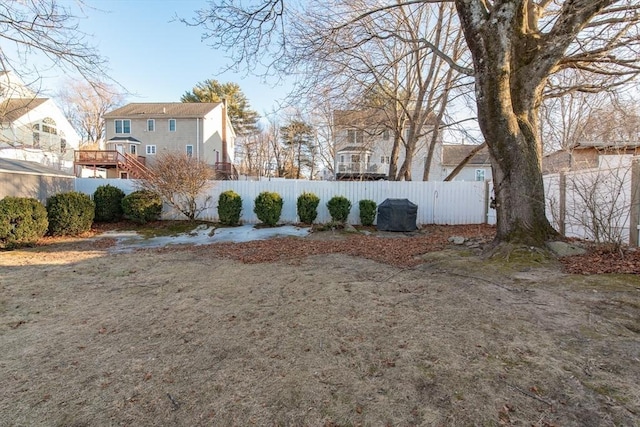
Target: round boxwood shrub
(308,207)
(339,208)
(367,211)
(70,213)
(22,222)
(142,206)
(268,207)
(108,200)
(229,207)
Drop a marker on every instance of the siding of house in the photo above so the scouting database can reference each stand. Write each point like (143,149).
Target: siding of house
(19,133)
(202,131)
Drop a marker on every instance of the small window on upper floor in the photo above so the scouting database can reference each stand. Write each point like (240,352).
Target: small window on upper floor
(355,136)
(123,126)
(479,174)
(172,125)
(385,135)
(151,125)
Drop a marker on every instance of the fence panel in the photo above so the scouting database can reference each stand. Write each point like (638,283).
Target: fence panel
(593,204)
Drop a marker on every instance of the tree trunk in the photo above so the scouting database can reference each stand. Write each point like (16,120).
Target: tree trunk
(393,160)
(508,94)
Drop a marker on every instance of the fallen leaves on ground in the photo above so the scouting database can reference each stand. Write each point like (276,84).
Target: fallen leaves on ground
(603,262)
(401,251)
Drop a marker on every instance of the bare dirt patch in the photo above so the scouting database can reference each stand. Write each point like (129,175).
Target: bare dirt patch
(331,330)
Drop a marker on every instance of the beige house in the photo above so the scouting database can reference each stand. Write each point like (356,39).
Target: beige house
(585,155)
(138,132)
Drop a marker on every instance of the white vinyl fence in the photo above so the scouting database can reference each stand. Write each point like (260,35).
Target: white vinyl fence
(601,205)
(438,202)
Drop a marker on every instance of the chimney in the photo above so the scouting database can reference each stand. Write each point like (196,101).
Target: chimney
(224,130)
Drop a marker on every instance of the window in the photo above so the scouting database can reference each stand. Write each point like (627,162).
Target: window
(49,126)
(355,136)
(63,145)
(133,150)
(385,135)
(36,140)
(189,150)
(123,126)
(479,174)
(382,159)
(355,158)
(151,149)
(172,125)
(342,158)
(151,125)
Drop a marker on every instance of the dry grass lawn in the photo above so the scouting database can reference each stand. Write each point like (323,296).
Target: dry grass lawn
(191,337)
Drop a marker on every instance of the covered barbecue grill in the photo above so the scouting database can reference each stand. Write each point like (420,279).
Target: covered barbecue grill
(397,215)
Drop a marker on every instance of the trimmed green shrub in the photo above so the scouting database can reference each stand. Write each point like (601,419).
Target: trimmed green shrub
(367,211)
(339,208)
(268,207)
(142,206)
(308,207)
(108,200)
(22,221)
(229,207)
(70,213)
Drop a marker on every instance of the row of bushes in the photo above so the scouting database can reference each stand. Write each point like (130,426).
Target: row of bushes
(25,220)
(268,207)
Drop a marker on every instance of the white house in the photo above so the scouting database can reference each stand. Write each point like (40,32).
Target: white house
(363,144)
(34,128)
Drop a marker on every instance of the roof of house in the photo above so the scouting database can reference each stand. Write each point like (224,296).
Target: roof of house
(453,154)
(32,168)
(166,109)
(129,139)
(364,118)
(13,108)
(605,145)
(352,148)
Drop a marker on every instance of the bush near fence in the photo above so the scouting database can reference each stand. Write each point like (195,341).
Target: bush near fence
(458,202)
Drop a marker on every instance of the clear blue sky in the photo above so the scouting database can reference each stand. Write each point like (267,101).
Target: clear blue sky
(159,60)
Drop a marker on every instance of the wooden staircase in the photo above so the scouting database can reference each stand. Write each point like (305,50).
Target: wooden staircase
(133,166)
(109,159)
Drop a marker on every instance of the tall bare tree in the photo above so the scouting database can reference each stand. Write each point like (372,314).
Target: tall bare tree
(50,29)
(517,47)
(380,63)
(85,106)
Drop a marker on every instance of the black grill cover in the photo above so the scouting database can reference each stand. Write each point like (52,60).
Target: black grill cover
(397,215)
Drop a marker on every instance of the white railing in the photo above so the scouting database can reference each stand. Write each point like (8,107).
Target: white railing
(347,167)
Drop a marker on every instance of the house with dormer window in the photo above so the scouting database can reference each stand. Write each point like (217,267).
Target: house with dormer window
(138,132)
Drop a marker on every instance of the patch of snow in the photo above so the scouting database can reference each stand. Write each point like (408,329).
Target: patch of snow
(128,241)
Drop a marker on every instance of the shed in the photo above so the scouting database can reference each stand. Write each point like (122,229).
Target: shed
(397,215)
